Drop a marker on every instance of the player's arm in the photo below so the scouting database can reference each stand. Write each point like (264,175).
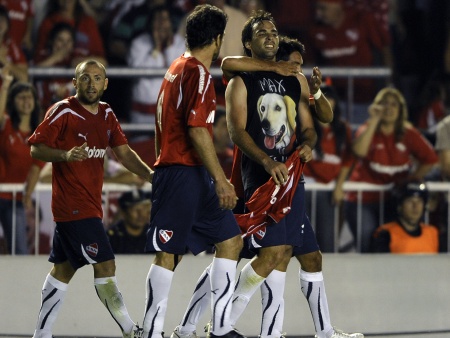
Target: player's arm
(308,133)
(444,160)
(323,109)
(236,107)
(45,153)
(133,162)
(203,144)
(231,65)
(30,184)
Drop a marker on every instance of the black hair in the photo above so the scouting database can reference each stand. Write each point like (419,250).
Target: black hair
(247,31)
(56,29)
(203,25)
(14,90)
(287,46)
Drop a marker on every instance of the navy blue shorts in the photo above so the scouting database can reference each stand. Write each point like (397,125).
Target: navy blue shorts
(185,212)
(80,242)
(309,239)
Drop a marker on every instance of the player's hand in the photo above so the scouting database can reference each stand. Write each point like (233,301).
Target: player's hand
(225,192)
(376,110)
(315,81)
(278,171)
(288,68)
(305,153)
(77,153)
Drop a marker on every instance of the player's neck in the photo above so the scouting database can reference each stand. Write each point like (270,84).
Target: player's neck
(92,108)
(203,55)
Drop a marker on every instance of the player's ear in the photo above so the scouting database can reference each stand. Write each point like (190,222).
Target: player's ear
(74,82)
(258,105)
(290,111)
(106,84)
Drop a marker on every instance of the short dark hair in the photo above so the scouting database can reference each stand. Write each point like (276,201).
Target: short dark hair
(287,46)
(203,25)
(247,31)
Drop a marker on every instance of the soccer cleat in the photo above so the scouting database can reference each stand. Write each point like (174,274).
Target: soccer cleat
(341,334)
(137,332)
(232,334)
(176,334)
(207,329)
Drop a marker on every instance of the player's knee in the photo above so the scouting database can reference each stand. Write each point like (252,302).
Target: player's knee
(105,269)
(311,262)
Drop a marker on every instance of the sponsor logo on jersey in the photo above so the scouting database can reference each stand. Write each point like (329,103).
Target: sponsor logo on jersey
(165,235)
(95,153)
(201,81)
(92,249)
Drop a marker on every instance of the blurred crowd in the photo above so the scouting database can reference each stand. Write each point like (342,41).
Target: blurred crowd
(388,132)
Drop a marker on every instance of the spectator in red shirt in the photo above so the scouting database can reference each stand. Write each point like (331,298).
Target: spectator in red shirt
(19,116)
(21,16)
(390,151)
(347,37)
(331,164)
(58,53)
(11,54)
(88,41)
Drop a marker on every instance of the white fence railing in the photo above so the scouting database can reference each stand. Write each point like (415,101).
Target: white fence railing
(109,188)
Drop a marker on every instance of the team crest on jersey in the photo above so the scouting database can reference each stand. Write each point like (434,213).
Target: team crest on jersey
(165,235)
(260,233)
(92,249)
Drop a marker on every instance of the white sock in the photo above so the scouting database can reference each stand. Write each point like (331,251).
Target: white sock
(53,293)
(248,282)
(158,285)
(223,273)
(109,294)
(272,297)
(200,301)
(313,288)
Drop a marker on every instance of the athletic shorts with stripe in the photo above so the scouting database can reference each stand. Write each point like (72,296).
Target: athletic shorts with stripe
(81,242)
(185,212)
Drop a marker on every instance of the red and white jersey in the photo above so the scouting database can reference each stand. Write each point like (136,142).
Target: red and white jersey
(77,186)
(327,168)
(389,161)
(270,202)
(187,99)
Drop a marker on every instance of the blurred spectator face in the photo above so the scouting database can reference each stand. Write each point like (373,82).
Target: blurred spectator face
(247,6)
(137,216)
(63,41)
(162,25)
(391,112)
(24,102)
(411,209)
(328,12)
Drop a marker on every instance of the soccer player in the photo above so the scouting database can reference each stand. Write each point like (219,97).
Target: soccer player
(74,136)
(191,196)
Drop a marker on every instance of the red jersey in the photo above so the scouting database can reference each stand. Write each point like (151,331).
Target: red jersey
(350,45)
(389,161)
(19,11)
(187,99)
(326,169)
(15,159)
(270,202)
(77,186)
(88,41)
